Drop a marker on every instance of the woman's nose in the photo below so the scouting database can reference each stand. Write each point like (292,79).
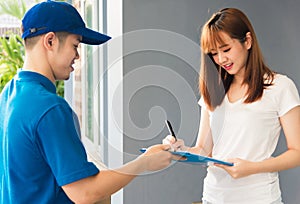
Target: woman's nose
(221,57)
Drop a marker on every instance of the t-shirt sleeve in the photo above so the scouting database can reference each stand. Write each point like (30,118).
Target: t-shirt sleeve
(202,103)
(287,97)
(59,142)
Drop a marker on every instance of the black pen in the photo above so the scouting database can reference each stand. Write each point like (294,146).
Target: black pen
(170,129)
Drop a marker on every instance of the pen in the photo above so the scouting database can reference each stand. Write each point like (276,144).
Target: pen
(170,129)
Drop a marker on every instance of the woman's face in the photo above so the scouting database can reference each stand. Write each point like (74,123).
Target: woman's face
(232,55)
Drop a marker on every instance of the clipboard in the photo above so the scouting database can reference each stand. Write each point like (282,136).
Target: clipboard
(195,158)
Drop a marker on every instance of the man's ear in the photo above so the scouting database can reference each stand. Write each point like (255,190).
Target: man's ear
(248,40)
(49,40)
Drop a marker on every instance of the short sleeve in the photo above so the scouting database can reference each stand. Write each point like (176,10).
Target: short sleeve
(202,103)
(59,142)
(288,95)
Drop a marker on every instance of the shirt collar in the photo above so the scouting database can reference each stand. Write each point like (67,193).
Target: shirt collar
(34,76)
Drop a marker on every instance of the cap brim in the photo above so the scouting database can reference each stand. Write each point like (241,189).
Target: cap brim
(91,37)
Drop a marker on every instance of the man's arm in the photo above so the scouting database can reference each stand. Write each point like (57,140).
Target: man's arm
(107,182)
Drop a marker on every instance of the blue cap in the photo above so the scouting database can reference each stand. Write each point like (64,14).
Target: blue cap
(52,16)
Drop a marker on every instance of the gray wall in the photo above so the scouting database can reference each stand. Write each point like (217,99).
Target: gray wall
(277,26)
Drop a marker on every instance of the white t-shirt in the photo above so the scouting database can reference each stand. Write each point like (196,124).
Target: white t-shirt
(250,132)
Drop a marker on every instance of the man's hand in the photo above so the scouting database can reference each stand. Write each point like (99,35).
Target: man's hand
(157,157)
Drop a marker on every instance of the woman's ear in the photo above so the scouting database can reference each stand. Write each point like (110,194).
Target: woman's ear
(49,40)
(248,40)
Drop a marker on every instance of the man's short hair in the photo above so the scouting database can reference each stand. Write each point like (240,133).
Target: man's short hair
(32,41)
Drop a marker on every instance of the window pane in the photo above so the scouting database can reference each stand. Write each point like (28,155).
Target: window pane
(89,74)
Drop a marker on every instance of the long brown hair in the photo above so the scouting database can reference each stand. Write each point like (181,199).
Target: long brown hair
(214,82)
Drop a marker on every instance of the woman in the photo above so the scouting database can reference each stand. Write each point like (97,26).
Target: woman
(244,105)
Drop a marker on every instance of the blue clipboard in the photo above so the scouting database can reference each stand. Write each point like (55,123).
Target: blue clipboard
(195,158)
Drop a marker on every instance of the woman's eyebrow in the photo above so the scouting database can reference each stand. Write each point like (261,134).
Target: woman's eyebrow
(220,47)
(224,45)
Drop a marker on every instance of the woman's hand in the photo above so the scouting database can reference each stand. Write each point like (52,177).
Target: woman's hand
(176,145)
(241,168)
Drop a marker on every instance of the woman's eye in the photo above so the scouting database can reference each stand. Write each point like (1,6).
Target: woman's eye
(213,54)
(227,50)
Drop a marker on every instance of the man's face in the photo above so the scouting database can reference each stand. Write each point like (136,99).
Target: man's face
(64,57)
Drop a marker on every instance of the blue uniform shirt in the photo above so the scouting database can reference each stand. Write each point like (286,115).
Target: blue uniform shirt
(40,148)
